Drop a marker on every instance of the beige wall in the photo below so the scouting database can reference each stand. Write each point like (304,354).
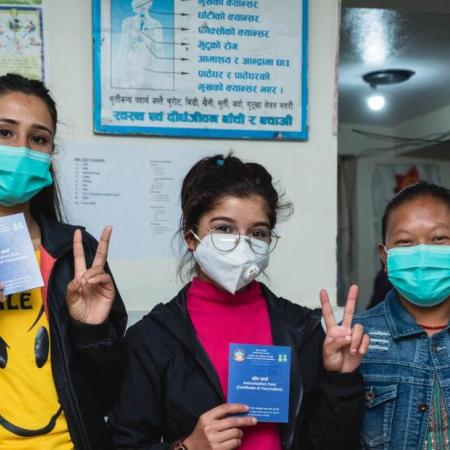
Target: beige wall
(305,259)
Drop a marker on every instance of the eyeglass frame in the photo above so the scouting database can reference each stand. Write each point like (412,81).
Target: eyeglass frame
(213,231)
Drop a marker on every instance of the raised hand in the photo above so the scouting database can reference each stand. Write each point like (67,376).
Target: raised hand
(215,430)
(91,293)
(344,346)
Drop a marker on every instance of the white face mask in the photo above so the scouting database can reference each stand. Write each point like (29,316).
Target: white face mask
(235,269)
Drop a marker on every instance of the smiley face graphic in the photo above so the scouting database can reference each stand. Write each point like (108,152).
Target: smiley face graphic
(29,404)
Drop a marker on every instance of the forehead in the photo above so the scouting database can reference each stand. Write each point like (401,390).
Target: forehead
(252,208)
(425,211)
(25,108)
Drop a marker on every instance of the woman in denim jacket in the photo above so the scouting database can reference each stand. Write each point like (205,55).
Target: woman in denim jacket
(407,368)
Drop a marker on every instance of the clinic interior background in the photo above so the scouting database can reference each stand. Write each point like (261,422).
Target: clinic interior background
(405,141)
(315,240)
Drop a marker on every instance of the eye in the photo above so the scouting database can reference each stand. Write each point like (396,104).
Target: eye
(39,140)
(403,243)
(3,353)
(223,228)
(261,233)
(41,346)
(440,239)
(4,132)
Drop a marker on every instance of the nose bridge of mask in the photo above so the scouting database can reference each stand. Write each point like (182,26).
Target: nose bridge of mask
(225,241)
(25,153)
(419,256)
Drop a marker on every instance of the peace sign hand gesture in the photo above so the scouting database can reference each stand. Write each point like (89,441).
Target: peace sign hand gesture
(91,293)
(344,346)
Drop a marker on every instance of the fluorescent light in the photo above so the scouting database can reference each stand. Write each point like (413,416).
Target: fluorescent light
(376,102)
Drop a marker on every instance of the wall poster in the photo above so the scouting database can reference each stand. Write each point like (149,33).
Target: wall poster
(21,40)
(201,68)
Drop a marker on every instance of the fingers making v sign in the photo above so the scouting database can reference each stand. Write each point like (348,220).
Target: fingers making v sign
(344,346)
(91,293)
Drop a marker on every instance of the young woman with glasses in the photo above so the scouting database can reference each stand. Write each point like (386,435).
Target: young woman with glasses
(175,384)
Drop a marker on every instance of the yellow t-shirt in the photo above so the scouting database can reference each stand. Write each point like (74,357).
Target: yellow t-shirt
(31,416)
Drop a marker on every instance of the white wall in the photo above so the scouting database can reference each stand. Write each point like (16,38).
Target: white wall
(305,259)
(352,143)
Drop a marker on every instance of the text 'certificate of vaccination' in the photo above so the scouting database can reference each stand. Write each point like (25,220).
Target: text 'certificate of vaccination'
(259,377)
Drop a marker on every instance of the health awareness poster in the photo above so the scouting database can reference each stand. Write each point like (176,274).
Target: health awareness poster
(201,68)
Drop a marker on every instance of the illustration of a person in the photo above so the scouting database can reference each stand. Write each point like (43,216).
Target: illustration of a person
(141,63)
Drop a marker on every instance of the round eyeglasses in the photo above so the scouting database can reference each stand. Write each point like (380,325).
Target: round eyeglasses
(262,240)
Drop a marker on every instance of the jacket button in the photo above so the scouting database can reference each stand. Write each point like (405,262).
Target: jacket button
(434,348)
(369,396)
(422,407)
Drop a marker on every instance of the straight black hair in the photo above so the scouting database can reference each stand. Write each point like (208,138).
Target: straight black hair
(419,190)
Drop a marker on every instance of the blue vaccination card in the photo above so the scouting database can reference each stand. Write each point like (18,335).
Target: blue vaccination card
(19,270)
(258,376)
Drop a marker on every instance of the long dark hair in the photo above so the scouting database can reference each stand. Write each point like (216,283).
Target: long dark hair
(213,178)
(48,200)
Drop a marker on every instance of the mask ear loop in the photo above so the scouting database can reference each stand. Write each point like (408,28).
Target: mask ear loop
(184,240)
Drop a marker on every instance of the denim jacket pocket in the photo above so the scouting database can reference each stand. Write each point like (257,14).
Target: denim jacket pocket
(379,400)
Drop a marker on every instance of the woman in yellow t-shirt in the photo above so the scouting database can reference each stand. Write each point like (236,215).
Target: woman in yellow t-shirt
(59,359)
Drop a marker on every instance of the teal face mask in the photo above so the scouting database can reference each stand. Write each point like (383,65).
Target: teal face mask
(420,273)
(23,173)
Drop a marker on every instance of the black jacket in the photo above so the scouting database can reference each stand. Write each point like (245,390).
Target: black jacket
(85,358)
(169,382)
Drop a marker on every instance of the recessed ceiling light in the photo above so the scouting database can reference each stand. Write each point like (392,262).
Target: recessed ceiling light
(376,102)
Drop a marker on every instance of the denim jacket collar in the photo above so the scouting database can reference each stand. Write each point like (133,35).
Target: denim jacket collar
(400,322)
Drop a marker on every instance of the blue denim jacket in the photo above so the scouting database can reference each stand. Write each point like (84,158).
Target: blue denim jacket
(399,371)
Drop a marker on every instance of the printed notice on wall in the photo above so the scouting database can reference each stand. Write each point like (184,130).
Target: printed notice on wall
(141,203)
(201,68)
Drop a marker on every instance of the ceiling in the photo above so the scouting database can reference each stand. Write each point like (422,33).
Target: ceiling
(394,34)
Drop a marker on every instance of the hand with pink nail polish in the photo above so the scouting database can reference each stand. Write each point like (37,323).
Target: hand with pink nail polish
(344,346)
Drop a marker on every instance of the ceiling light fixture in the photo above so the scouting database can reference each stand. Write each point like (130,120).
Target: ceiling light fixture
(377,102)
(391,76)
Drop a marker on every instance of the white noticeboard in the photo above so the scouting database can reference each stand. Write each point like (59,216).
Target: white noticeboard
(141,203)
(201,68)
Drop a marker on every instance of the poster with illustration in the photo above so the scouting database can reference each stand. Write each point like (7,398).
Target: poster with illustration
(21,2)
(205,68)
(21,42)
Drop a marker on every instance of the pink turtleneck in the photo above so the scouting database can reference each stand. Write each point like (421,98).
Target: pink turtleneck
(221,318)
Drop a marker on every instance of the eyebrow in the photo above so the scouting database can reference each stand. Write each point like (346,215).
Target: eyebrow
(228,219)
(34,125)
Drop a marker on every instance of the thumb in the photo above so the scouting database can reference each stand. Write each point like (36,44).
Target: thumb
(74,286)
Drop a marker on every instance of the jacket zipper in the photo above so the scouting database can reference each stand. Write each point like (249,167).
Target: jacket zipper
(289,440)
(68,385)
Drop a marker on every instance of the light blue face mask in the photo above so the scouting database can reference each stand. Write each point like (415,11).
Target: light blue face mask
(23,173)
(420,273)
